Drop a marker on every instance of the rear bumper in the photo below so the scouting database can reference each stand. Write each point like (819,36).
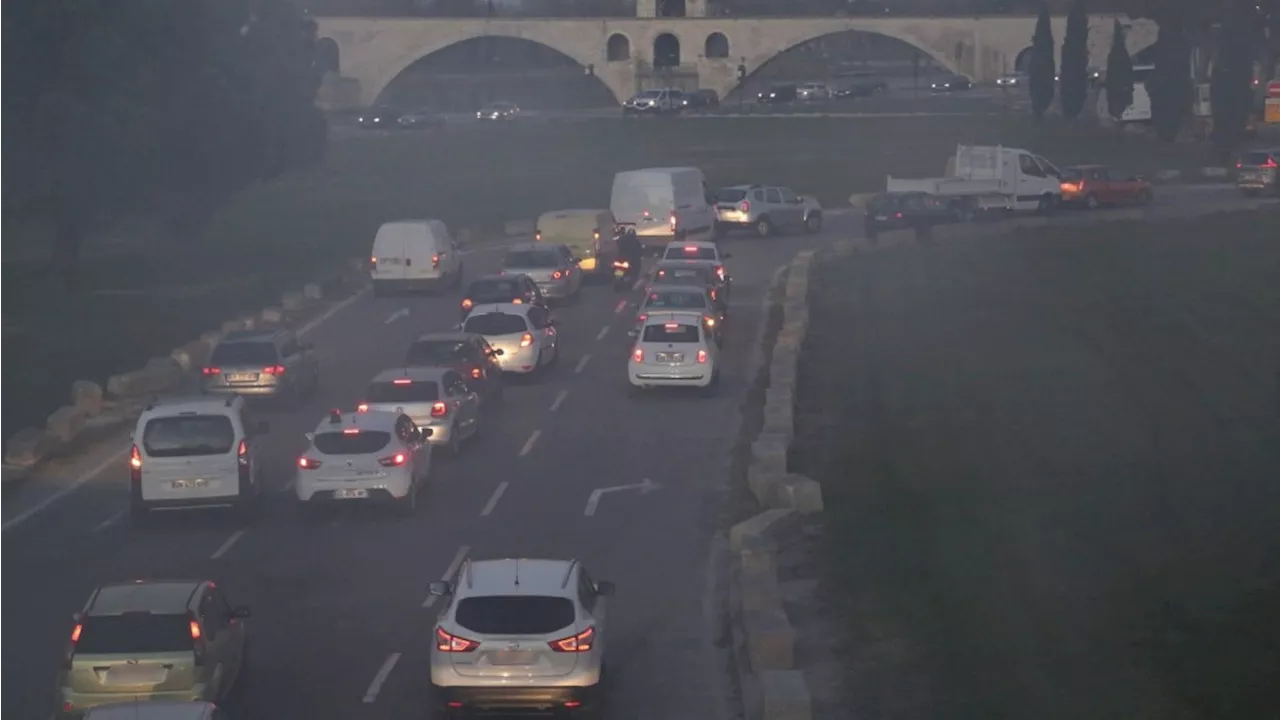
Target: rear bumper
(249,391)
(202,503)
(80,703)
(523,361)
(679,377)
(506,698)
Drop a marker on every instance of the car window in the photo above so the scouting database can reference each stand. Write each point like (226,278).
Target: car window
(683,300)
(532,259)
(361,442)
(771,195)
(188,436)
(515,614)
(787,195)
(731,195)
(244,353)
(1072,174)
(672,333)
(1047,167)
(402,390)
(495,290)
(134,634)
(884,202)
(404,428)
(495,323)
(757,195)
(1255,159)
(439,352)
(538,317)
(1028,166)
(586,591)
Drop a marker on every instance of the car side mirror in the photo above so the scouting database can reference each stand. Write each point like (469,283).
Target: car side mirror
(309,436)
(416,435)
(605,588)
(440,588)
(240,612)
(425,433)
(262,428)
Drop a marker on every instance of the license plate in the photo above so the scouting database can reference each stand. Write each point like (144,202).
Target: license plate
(388,261)
(135,675)
(513,657)
(190,484)
(350,493)
(368,473)
(619,273)
(670,357)
(242,377)
(882,217)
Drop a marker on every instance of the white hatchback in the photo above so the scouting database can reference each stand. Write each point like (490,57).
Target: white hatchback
(368,456)
(674,349)
(526,335)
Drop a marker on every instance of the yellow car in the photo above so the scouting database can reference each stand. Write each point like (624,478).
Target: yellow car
(149,640)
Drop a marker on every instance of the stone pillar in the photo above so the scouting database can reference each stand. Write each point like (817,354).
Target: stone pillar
(695,8)
(646,9)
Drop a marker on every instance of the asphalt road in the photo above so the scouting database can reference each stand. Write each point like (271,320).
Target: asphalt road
(335,601)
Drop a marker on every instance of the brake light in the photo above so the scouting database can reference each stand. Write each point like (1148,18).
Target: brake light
(197,641)
(435,260)
(71,649)
(392,460)
(211,371)
(526,340)
(642,317)
(1071,187)
(745,206)
(195,629)
(475,373)
(402,381)
(273,370)
(307,463)
(446,642)
(1270,163)
(351,431)
(466,303)
(135,464)
(711,322)
(691,248)
(671,326)
(595,234)
(702,356)
(637,355)
(75,633)
(713,294)
(720,272)
(439,409)
(897,214)
(362,407)
(537,235)
(557,275)
(373,260)
(673,221)
(582,642)
(517,301)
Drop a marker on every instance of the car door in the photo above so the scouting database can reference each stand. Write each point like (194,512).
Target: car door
(777,211)
(457,396)
(540,327)
(1031,179)
(405,429)
(220,643)
(471,402)
(794,207)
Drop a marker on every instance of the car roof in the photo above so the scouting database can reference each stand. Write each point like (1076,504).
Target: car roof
(152,710)
(155,596)
(449,337)
(694,289)
(425,373)
(526,247)
(178,404)
(371,420)
(517,576)
(501,309)
(251,336)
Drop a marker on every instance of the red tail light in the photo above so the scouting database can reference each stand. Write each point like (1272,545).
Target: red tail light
(595,234)
(362,407)
(476,373)
(1239,165)
(713,294)
(71,649)
(466,303)
(453,643)
(745,206)
(435,260)
(211,371)
(195,629)
(720,272)
(897,214)
(537,235)
(402,381)
(526,340)
(702,356)
(637,355)
(373,260)
(1270,163)
(273,370)
(582,642)
(439,409)
(197,641)
(517,301)
(135,464)
(557,275)
(307,463)
(393,460)
(642,317)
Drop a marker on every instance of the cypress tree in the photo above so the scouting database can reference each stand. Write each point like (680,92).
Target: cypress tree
(1075,61)
(1170,84)
(1230,90)
(1119,74)
(1042,65)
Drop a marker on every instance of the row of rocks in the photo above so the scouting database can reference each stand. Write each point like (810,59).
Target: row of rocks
(773,687)
(92,411)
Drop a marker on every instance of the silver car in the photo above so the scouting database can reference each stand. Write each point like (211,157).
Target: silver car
(765,210)
(520,635)
(498,111)
(813,91)
(432,397)
(552,267)
(261,363)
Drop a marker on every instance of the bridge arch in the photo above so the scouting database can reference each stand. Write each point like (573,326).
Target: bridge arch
(618,48)
(716,46)
(328,56)
(666,50)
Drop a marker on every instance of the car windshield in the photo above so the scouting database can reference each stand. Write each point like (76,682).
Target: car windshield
(1255,159)
(731,195)
(402,392)
(244,353)
(689,252)
(361,442)
(885,202)
(683,300)
(514,614)
(532,259)
(671,333)
(134,634)
(482,291)
(496,324)
(438,352)
(188,436)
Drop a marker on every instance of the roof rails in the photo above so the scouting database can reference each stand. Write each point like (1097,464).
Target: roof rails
(568,572)
(466,571)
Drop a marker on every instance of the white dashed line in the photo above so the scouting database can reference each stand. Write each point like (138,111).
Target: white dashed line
(493,500)
(235,537)
(621,304)
(603,331)
(528,444)
(639,284)
(555,404)
(582,363)
(109,521)
(306,329)
(287,486)
(449,572)
(371,695)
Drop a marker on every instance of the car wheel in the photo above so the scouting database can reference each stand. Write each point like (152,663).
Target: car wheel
(1047,204)
(1091,201)
(408,505)
(764,228)
(813,223)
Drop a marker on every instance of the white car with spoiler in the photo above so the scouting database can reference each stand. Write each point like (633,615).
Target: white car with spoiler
(674,349)
(365,456)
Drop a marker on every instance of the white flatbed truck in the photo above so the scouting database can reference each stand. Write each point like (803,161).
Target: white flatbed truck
(991,177)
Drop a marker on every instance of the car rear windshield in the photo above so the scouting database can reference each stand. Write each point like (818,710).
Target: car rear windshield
(188,436)
(730,195)
(390,392)
(134,634)
(1255,159)
(244,353)
(690,252)
(885,202)
(514,614)
(671,334)
(495,324)
(439,352)
(694,274)
(343,443)
(684,300)
(531,259)
(482,291)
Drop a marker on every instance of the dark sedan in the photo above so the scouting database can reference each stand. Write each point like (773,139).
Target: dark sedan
(382,117)
(912,210)
(954,83)
(778,94)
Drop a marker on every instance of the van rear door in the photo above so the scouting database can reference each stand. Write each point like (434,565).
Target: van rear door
(390,252)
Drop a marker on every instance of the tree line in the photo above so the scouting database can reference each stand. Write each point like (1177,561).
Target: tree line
(152,108)
(1238,34)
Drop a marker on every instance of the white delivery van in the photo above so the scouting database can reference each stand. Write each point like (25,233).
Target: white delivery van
(414,255)
(991,177)
(663,205)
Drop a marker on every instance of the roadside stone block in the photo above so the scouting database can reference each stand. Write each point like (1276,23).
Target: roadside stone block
(27,447)
(759,591)
(232,326)
(250,322)
(782,371)
(779,419)
(770,524)
(191,355)
(86,396)
(161,374)
(293,301)
(127,384)
(798,493)
(272,315)
(313,291)
(771,640)
(779,394)
(758,556)
(1166,175)
(768,463)
(785,695)
(64,424)
(515,228)
(1213,172)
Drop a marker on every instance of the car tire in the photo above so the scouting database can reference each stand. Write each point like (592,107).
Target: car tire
(408,505)
(813,223)
(1091,201)
(1047,205)
(763,227)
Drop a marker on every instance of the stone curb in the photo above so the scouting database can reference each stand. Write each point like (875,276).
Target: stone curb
(95,412)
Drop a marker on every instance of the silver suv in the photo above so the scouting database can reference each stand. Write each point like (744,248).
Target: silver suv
(263,363)
(656,102)
(520,635)
(765,209)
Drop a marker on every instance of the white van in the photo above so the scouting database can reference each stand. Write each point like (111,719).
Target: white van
(194,452)
(663,205)
(414,255)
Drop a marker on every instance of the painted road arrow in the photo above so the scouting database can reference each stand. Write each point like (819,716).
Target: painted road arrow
(644,488)
(402,312)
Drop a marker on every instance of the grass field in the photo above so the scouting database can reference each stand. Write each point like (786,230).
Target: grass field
(1049,465)
(145,295)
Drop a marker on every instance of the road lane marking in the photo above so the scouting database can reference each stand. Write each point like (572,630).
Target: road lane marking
(528,444)
(593,501)
(235,537)
(402,312)
(449,572)
(621,304)
(603,331)
(287,486)
(109,521)
(639,284)
(339,307)
(371,695)
(555,404)
(582,363)
(493,500)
